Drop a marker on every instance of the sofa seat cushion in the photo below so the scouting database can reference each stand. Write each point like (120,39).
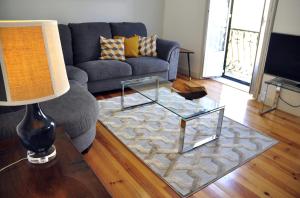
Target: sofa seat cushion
(76,110)
(147,65)
(77,74)
(105,69)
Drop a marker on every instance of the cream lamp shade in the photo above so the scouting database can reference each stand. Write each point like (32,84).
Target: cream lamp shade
(32,67)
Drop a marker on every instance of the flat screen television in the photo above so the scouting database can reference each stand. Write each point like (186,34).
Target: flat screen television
(283,58)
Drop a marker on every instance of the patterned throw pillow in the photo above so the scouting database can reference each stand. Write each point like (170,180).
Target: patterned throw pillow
(112,49)
(147,46)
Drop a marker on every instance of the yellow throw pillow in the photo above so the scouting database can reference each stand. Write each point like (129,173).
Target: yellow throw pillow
(131,45)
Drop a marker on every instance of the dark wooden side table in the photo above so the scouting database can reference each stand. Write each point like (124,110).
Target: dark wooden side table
(66,176)
(187,52)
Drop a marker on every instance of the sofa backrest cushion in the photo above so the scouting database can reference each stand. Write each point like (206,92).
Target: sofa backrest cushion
(128,29)
(66,43)
(86,40)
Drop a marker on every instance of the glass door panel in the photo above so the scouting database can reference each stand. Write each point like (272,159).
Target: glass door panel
(243,40)
(216,39)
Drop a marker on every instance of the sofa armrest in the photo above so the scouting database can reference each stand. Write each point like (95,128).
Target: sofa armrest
(77,74)
(165,48)
(169,51)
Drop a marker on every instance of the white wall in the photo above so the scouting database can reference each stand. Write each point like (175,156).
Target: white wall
(286,21)
(184,21)
(287,17)
(148,11)
(181,20)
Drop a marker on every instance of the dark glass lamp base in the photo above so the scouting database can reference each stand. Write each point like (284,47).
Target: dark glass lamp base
(42,158)
(37,134)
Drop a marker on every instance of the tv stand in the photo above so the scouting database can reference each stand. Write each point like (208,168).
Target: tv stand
(279,83)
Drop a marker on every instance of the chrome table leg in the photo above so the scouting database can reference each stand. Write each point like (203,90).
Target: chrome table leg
(275,101)
(203,141)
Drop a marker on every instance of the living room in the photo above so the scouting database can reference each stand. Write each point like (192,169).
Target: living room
(139,98)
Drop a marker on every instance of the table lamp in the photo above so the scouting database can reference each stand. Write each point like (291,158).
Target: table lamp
(32,70)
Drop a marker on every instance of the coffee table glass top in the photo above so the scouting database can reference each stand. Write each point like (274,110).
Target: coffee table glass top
(161,92)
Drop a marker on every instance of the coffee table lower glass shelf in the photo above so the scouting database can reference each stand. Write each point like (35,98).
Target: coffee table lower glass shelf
(159,91)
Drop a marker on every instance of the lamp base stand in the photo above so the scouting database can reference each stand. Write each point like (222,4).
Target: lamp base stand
(42,158)
(37,134)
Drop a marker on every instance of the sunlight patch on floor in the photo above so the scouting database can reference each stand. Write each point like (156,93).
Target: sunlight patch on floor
(235,101)
(233,84)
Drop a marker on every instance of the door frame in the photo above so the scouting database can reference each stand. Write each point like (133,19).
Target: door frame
(259,67)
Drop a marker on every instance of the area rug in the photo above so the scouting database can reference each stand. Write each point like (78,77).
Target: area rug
(152,134)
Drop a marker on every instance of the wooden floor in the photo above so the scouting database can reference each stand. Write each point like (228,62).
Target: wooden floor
(275,173)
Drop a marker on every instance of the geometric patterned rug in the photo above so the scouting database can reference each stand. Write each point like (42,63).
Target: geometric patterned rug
(152,134)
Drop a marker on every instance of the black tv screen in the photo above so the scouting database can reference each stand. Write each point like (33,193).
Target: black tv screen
(283,58)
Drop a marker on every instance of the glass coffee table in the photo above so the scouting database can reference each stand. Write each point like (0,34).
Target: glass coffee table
(159,91)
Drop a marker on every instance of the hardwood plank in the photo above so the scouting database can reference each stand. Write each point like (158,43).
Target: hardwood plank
(212,191)
(265,185)
(275,173)
(115,178)
(230,181)
(128,168)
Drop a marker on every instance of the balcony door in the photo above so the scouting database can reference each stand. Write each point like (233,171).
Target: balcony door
(233,33)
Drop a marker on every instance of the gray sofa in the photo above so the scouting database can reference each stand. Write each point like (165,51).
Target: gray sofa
(77,110)
(81,48)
